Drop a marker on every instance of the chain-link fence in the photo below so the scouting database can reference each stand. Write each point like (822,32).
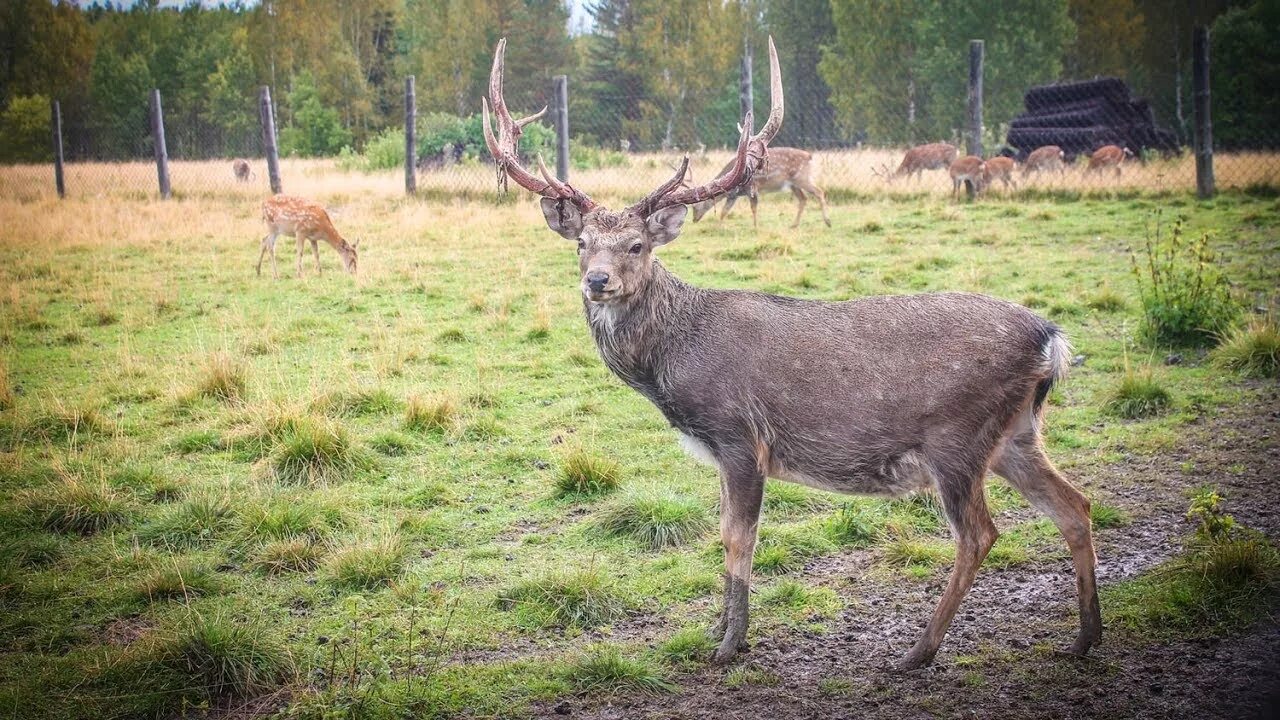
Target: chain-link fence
(623,140)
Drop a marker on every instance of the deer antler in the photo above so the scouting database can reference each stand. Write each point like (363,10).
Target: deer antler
(504,146)
(752,151)
(883,172)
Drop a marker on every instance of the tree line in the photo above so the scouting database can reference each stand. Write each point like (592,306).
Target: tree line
(644,74)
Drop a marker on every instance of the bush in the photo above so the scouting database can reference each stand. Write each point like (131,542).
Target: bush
(384,151)
(1252,349)
(439,132)
(25,130)
(1186,300)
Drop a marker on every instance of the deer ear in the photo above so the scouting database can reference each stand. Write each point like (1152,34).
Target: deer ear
(664,225)
(562,216)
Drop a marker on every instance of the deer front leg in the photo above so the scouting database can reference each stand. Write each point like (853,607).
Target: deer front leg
(315,248)
(800,201)
(302,249)
(754,199)
(268,246)
(741,492)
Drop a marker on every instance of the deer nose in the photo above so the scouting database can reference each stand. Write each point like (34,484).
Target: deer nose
(596,280)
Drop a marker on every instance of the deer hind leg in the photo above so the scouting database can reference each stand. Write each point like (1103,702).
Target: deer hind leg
(728,205)
(965,505)
(1022,461)
(822,201)
(268,246)
(315,248)
(754,199)
(800,201)
(741,493)
(302,249)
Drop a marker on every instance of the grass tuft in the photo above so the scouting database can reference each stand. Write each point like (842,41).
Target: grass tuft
(392,444)
(783,497)
(582,599)
(222,378)
(74,505)
(196,522)
(432,414)
(227,658)
(583,473)
(1138,395)
(62,422)
(1252,349)
(293,554)
(604,669)
(32,551)
(7,394)
(657,521)
(356,403)
(915,552)
(177,579)
(281,518)
(367,564)
(314,452)
(855,525)
(687,647)
(1105,516)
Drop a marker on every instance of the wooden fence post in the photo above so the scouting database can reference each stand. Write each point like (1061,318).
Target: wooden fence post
(1204,123)
(157,138)
(57,150)
(975,97)
(410,137)
(269,138)
(560,117)
(746,99)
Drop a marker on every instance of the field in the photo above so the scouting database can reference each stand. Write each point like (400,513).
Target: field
(418,492)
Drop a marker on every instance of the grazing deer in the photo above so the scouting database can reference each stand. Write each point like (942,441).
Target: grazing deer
(1107,156)
(968,171)
(880,395)
(934,156)
(998,168)
(784,169)
(242,170)
(1045,159)
(304,220)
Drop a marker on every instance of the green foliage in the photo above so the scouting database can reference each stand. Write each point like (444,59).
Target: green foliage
(1104,516)
(316,130)
(1252,349)
(581,599)
(1212,523)
(797,599)
(657,521)
(1138,394)
(687,647)
(603,668)
(856,525)
(442,133)
(1186,300)
(384,151)
(1245,60)
(25,130)
(584,473)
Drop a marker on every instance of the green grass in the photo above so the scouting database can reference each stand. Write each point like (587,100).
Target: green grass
(1139,394)
(604,669)
(180,579)
(581,599)
(320,461)
(1104,516)
(584,473)
(222,377)
(225,656)
(1252,349)
(657,521)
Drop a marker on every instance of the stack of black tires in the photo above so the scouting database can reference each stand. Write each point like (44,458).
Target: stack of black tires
(1081,117)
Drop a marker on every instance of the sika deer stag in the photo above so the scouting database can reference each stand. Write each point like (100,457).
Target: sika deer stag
(880,396)
(785,169)
(306,221)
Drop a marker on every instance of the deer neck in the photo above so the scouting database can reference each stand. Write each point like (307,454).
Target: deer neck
(632,335)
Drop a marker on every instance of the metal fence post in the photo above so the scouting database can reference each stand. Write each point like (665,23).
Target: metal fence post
(410,137)
(560,98)
(157,138)
(57,150)
(1204,123)
(269,138)
(975,97)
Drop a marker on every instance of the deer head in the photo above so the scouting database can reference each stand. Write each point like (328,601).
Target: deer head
(347,251)
(615,247)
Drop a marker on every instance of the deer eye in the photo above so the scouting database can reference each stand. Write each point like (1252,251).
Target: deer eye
(581,245)
(635,249)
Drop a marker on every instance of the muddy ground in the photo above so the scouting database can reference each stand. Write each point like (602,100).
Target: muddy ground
(1002,656)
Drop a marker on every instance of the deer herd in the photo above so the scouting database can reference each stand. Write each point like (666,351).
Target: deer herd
(886,395)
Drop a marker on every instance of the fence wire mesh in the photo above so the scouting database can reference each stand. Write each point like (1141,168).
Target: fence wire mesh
(626,134)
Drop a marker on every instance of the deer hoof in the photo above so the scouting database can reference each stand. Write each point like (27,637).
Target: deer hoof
(914,660)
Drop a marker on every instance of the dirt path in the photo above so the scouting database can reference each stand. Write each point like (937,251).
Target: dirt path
(999,660)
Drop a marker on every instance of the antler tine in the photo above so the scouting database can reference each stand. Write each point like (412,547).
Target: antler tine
(645,206)
(504,147)
(750,157)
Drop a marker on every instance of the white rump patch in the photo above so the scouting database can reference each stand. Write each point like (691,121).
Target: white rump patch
(698,449)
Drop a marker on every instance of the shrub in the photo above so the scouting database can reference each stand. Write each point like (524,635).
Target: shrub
(384,151)
(368,564)
(581,599)
(1138,395)
(1185,298)
(657,521)
(1252,349)
(25,130)
(604,669)
(583,473)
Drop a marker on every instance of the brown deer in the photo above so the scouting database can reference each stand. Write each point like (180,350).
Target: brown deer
(968,171)
(998,168)
(1045,159)
(242,170)
(304,220)
(879,395)
(934,156)
(784,169)
(1107,156)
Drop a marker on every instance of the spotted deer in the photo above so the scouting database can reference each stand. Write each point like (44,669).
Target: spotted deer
(1045,159)
(968,171)
(242,170)
(1107,156)
(934,156)
(306,221)
(878,395)
(784,169)
(998,168)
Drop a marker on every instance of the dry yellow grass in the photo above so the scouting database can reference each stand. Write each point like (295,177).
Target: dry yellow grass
(838,170)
